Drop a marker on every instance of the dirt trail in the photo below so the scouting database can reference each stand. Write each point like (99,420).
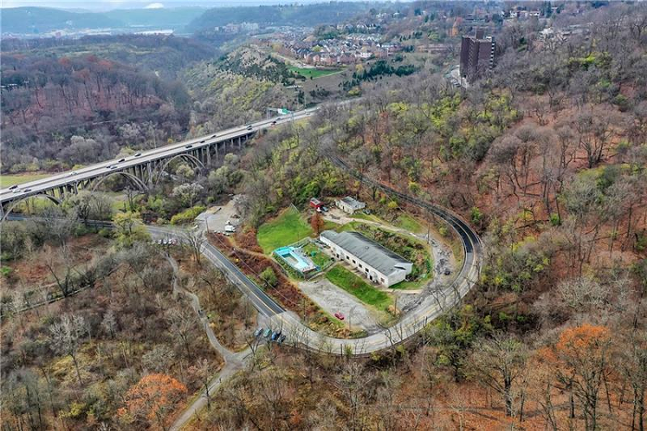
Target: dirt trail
(234,361)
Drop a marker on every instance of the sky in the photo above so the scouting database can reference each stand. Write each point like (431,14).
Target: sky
(103,5)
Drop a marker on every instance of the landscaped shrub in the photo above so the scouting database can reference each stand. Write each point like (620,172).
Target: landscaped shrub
(188,215)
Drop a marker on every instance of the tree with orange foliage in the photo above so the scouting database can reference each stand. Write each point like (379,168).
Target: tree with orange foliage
(152,398)
(582,355)
(317,223)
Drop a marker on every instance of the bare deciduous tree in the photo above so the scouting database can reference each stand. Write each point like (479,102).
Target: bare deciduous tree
(67,336)
(498,363)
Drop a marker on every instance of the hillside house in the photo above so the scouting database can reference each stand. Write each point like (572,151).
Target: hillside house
(350,205)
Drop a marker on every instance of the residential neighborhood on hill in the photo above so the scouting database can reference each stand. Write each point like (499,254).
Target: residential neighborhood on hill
(346,215)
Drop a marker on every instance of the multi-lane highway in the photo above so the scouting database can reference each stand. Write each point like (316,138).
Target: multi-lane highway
(161,153)
(299,334)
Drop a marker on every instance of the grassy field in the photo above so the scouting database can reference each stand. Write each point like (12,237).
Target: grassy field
(370,217)
(405,221)
(357,287)
(313,73)
(318,257)
(287,228)
(413,285)
(10,180)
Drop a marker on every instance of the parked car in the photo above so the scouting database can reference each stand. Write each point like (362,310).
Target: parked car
(282,339)
(447,271)
(258,332)
(273,123)
(268,333)
(324,209)
(339,316)
(276,336)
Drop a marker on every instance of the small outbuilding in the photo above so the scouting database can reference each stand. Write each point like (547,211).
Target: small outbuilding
(350,205)
(315,203)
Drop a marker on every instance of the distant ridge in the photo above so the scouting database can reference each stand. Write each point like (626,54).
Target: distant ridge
(42,20)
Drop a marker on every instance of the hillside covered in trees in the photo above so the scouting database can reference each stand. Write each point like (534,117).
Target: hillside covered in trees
(294,14)
(49,99)
(546,156)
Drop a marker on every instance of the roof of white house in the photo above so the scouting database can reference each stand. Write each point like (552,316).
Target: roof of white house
(368,251)
(353,203)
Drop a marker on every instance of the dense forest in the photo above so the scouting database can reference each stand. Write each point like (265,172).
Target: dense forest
(48,99)
(546,156)
(163,55)
(280,15)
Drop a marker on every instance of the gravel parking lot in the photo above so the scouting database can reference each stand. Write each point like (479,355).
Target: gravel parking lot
(218,216)
(334,300)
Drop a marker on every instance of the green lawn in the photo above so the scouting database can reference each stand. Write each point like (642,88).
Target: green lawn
(329,225)
(412,285)
(371,217)
(405,221)
(10,180)
(318,257)
(287,228)
(357,287)
(312,73)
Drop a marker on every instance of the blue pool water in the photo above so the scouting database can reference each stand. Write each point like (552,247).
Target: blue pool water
(294,257)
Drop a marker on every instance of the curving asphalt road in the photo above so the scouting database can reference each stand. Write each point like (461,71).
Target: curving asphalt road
(301,336)
(429,309)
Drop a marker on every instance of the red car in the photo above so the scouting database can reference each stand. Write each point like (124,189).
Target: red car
(339,316)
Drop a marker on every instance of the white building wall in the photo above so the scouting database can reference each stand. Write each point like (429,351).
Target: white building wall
(354,261)
(345,208)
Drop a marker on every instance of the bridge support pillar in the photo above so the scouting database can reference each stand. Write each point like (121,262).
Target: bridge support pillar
(149,169)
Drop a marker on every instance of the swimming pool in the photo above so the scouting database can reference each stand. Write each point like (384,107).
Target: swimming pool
(295,259)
